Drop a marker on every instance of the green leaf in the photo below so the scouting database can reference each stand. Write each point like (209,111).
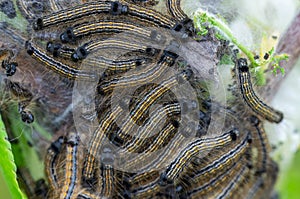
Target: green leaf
(282,70)
(288,185)
(25,155)
(7,165)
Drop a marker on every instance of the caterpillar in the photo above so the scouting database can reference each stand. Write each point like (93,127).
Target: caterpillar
(108,120)
(175,10)
(193,148)
(149,99)
(71,167)
(251,98)
(117,66)
(145,163)
(92,46)
(104,126)
(149,190)
(50,162)
(115,26)
(261,144)
(164,135)
(98,62)
(238,170)
(70,14)
(235,183)
(152,72)
(115,8)
(142,178)
(261,185)
(223,160)
(147,14)
(54,65)
(156,121)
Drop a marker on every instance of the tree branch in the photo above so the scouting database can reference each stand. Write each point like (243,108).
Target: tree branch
(290,44)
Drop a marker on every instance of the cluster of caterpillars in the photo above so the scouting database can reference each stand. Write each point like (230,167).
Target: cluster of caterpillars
(231,163)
